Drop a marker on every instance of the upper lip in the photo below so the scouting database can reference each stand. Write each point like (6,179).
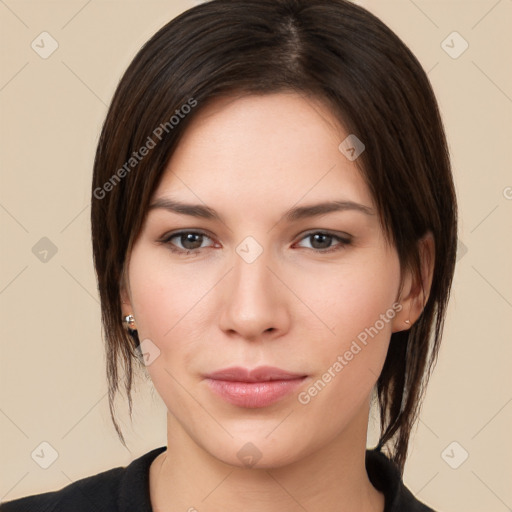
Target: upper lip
(259,374)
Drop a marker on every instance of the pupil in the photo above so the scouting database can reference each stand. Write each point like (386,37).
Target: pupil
(189,238)
(326,238)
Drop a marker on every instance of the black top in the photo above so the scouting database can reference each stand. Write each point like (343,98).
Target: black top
(126,489)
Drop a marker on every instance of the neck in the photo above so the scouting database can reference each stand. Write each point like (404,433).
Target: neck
(332,479)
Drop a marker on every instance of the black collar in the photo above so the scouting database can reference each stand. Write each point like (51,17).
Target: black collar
(382,472)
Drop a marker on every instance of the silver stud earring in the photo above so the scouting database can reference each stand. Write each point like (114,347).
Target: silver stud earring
(129,322)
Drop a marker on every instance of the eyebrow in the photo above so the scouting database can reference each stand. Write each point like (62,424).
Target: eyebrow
(292,215)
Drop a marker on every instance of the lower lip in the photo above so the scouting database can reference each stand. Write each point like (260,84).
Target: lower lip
(254,394)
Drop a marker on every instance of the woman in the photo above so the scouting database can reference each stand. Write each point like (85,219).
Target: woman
(274,236)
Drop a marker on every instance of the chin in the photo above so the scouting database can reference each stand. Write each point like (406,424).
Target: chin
(258,451)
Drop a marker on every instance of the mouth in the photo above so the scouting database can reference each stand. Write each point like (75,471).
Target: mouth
(255,388)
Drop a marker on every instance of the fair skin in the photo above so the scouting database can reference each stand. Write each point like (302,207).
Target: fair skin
(295,306)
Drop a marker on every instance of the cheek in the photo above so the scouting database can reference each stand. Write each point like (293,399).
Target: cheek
(351,297)
(356,302)
(167,300)
(175,309)
(164,295)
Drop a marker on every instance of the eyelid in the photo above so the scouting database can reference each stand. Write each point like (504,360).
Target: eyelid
(165,239)
(343,238)
(346,237)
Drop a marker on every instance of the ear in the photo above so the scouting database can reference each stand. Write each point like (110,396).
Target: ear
(124,292)
(416,288)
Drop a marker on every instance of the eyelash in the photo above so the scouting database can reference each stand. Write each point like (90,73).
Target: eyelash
(343,242)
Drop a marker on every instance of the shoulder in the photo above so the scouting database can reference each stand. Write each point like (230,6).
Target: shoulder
(108,491)
(385,476)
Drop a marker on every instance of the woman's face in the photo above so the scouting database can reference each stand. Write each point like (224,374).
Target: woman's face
(250,277)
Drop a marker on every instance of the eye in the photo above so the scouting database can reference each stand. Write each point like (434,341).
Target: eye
(321,241)
(186,241)
(190,242)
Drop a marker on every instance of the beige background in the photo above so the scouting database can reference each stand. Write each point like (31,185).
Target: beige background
(53,386)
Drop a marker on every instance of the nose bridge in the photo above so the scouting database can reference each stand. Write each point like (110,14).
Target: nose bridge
(254,302)
(250,272)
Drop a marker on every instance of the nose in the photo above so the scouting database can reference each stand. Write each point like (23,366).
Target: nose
(255,301)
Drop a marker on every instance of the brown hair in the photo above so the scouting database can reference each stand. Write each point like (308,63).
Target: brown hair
(330,49)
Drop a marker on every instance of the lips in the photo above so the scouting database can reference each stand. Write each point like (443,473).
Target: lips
(255,388)
(260,374)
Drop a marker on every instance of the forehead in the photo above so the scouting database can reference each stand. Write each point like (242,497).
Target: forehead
(271,149)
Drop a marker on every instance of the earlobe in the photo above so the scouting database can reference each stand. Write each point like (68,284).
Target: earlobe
(402,321)
(417,285)
(127,312)
(128,317)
